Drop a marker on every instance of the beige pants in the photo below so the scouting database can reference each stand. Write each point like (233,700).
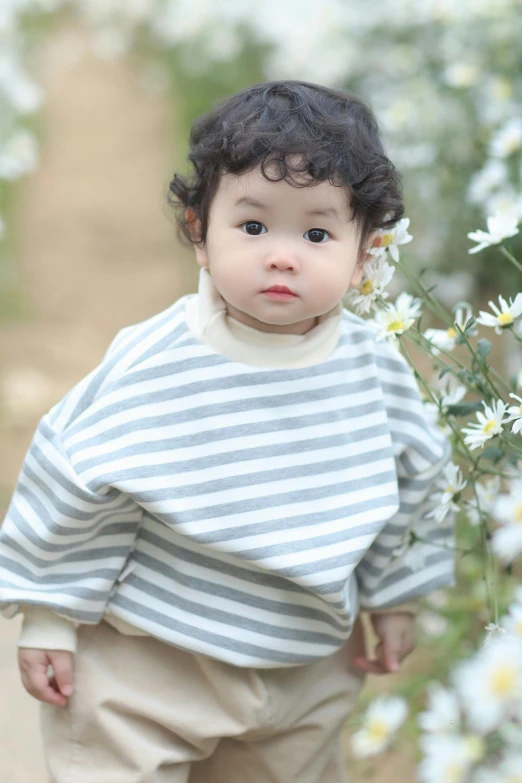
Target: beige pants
(146,712)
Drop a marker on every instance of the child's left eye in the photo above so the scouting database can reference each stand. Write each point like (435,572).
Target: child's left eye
(317,235)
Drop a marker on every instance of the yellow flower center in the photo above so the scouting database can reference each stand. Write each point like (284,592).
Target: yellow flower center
(505,319)
(502,681)
(518,513)
(518,628)
(520,409)
(453,772)
(452,333)
(387,239)
(513,779)
(378,730)
(489,426)
(475,747)
(367,287)
(513,144)
(394,326)
(502,89)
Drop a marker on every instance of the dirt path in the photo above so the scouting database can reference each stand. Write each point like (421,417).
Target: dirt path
(96,253)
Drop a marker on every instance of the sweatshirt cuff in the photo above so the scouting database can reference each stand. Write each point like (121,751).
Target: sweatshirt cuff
(43,629)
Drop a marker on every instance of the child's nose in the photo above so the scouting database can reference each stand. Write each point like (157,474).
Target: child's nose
(282,259)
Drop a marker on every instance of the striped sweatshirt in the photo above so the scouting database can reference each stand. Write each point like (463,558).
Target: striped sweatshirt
(240,511)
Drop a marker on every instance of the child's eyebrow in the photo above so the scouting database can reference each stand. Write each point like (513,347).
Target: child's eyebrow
(245,201)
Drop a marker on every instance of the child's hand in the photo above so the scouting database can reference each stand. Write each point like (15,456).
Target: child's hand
(33,666)
(396,632)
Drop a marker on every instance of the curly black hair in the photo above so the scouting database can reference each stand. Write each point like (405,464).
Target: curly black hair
(302,129)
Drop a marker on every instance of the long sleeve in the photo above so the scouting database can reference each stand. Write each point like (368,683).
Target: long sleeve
(62,544)
(392,572)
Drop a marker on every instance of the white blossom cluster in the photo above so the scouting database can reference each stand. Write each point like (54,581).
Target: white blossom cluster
(472,730)
(430,69)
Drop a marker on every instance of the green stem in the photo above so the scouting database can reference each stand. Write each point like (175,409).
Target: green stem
(437,403)
(511,258)
(483,364)
(445,546)
(432,303)
(488,567)
(424,342)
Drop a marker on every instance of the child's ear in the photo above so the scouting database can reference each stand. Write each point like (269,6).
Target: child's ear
(194,224)
(357,276)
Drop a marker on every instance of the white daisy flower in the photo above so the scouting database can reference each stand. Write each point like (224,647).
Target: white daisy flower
(507,139)
(507,202)
(499,228)
(515,414)
(490,424)
(382,719)
(487,494)
(455,393)
(483,182)
(447,487)
(377,275)
(443,713)
(506,541)
(503,318)
(447,338)
(396,319)
(390,239)
(448,757)
(416,555)
(489,685)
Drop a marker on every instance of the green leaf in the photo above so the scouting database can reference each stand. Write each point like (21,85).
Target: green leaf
(465,375)
(484,347)
(492,453)
(430,289)
(445,370)
(469,323)
(463,408)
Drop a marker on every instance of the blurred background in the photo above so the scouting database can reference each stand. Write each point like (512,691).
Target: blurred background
(96,102)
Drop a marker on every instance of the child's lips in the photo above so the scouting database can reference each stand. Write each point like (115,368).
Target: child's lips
(279,295)
(279,292)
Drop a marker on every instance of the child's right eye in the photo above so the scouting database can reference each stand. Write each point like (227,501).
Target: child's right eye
(253,224)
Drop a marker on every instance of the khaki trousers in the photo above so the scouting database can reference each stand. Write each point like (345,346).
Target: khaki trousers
(146,712)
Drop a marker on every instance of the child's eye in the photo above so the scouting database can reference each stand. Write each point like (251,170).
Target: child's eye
(254,228)
(253,224)
(317,235)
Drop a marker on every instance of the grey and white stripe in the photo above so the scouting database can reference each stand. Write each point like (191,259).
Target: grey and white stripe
(235,511)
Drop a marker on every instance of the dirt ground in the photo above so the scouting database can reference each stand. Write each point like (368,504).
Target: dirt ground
(96,252)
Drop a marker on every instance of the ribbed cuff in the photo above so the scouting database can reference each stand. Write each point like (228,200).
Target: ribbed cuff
(43,629)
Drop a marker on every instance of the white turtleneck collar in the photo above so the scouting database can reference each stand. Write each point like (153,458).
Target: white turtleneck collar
(208,320)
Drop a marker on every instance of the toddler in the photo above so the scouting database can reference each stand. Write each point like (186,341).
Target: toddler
(199,522)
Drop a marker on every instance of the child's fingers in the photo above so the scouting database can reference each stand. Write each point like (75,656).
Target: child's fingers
(389,655)
(36,682)
(371,667)
(61,661)
(34,665)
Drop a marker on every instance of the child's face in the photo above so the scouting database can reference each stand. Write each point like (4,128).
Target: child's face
(251,248)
